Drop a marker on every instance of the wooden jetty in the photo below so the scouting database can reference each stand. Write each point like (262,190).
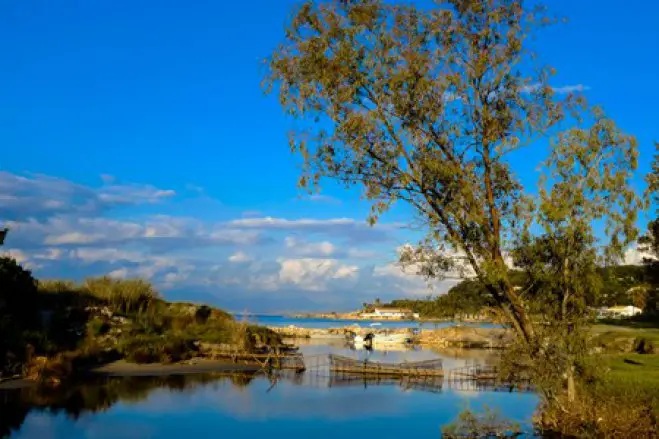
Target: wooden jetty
(346,365)
(266,360)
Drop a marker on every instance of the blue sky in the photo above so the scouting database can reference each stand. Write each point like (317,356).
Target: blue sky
(136,140)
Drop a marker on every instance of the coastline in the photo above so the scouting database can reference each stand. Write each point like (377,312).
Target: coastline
(452,336)
(358,316)
(123,368)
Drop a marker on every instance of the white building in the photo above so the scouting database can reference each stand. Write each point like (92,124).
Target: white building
(622,311)
(390,313)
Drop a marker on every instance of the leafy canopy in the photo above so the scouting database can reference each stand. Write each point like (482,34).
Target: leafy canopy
(426,106)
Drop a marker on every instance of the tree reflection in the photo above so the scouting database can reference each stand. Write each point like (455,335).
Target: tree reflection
(98,395)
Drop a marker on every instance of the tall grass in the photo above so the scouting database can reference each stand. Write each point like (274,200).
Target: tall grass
(127,296)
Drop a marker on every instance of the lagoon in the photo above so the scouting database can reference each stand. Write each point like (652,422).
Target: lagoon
(256,406)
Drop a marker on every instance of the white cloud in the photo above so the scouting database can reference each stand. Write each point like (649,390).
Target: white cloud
(119,273)
(406,282)
(91,255)
(73,238)
(302,248)
(314,274)
(319,198)
(240,257)
(39,196)
(342,228)
(284,224)
(564,89)
(635,257)
(20,256)
(65,229)
(355,253)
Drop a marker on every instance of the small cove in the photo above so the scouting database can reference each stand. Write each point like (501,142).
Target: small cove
(255,405)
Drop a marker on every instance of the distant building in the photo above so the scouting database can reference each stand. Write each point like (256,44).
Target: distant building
(617,312)
(390,313)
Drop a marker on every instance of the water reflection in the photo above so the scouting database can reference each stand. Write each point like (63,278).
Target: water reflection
(255,405)
(98,395)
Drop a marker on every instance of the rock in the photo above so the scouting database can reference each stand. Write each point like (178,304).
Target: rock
(466,336)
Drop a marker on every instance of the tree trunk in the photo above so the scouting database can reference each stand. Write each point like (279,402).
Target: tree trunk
(571,390)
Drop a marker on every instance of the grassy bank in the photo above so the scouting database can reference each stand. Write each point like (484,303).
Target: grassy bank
(54,329)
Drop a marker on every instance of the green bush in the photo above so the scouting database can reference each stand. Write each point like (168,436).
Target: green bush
(65,294)
(124,296)
(18,313)
(155,349)
(97,327)
(643,346)
(18,294)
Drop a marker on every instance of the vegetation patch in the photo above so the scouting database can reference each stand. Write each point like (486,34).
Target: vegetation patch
(53,329)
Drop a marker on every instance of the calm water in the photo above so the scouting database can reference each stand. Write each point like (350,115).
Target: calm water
(256,406)
(283,321)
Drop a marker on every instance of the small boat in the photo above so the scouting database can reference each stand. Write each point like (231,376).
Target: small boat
(390,339)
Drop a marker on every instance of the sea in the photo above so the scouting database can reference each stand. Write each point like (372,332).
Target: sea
(281,321)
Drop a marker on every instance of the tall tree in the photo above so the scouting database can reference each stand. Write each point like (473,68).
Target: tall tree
(649,242)
(426,106)
(586,183)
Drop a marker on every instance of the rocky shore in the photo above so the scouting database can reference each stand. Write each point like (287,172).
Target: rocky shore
(453,336)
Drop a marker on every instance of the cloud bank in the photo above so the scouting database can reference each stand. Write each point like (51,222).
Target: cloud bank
(60,228)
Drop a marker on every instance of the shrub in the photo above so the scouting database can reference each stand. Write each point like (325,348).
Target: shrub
(63,294)
(124,296)
(18,293)
(153,349)
(97,326)
(643,346)
(18,313)
(605,409)
(488,424)
(202,314)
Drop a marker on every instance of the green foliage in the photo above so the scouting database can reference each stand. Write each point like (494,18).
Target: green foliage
(103,319)
(157,348)
(467,298)
(126,296)
(484,425)
(425,106)
(18,315)
(621,400)
(62,294)
(643,346)
(97,327)
(18,293)
(650,244)
(617,281)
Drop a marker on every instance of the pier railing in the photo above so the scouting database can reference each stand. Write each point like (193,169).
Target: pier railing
(265,360)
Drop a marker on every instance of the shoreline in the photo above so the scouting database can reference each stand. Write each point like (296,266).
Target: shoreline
(452,336)
(123,368)
(358,317)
